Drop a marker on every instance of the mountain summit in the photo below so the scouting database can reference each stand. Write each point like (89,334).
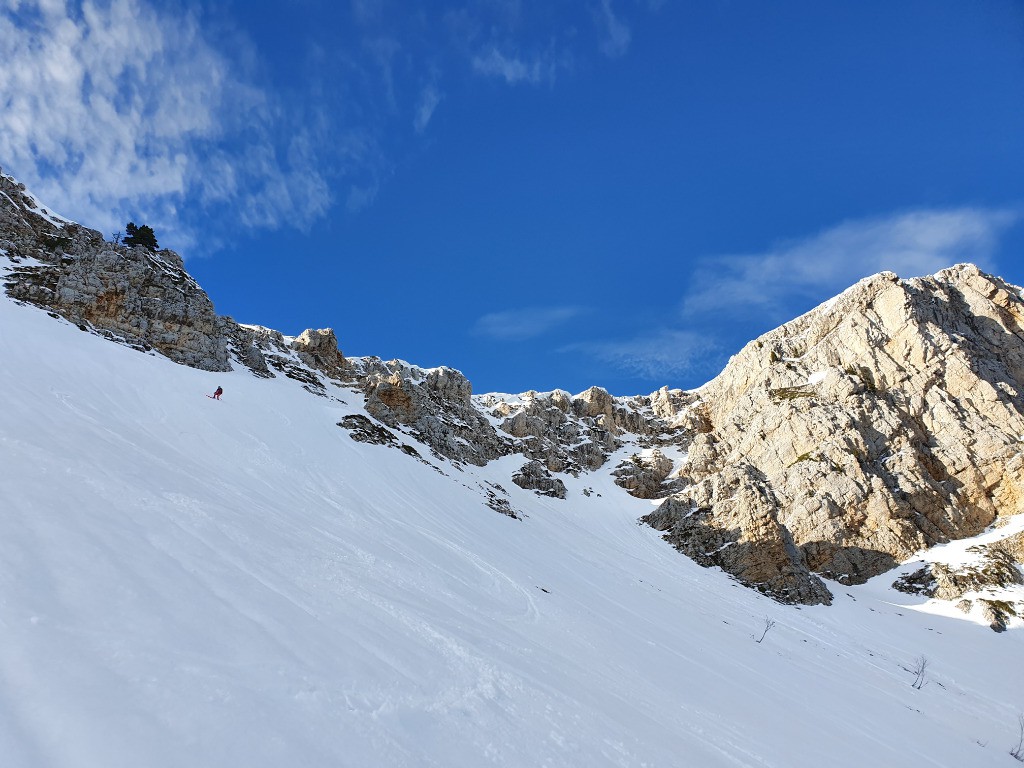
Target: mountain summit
(886,421)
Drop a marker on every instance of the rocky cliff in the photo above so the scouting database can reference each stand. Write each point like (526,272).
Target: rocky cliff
(130,294)
(885,421)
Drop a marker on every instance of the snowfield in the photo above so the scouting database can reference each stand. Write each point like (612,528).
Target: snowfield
(185,582)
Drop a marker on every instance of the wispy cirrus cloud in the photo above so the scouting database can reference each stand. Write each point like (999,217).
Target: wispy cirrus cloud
(525,323)
(616,35)
(166,112)
(535,44)
(731,299)
(515,68)
(660,354)
(911,244)
(430,97)
(92,105)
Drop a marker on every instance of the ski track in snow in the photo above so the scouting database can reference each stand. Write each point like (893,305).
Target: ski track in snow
(183,583)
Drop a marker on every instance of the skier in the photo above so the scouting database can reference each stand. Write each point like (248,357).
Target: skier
(218,393)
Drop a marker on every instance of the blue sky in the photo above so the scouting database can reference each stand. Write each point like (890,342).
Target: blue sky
(541,194)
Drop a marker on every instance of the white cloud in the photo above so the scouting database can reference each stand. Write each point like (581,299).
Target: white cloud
(658,355)
(382,52)
(617,35)
(526,323)
(430,97)
(910,244)
(134,109)
(727,292)
(513,69)
(115,109)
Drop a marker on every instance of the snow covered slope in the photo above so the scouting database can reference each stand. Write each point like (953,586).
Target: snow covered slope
(186,582)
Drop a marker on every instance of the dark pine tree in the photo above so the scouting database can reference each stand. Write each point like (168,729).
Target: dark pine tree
(143,235)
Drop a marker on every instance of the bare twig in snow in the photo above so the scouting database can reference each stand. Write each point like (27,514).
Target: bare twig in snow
(1018,752)
(919,670)
(768,624)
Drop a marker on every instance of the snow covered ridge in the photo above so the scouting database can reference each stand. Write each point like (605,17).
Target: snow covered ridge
(18,196)
(828,451)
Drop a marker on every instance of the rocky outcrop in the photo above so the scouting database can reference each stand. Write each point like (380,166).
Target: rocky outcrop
(435,404)
(732,521)
(319,350)
(997,613)
(548,430)
(364,430)
(995,568)
(496,498)
(142,298)
(577,433)
(881,423)
(264,351)
(643,475)
(252,345)
(533,476)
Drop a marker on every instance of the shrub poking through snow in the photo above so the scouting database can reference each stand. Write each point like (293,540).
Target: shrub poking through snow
(920,669)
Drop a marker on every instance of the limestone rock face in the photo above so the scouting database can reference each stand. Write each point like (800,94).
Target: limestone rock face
(670,405)
(880,423)
(595,403)
(575,433)
(436,404)
(995,567)
(732,521)
(997,613)
(533,476)
(549,431)
(643,475)
(249,343)
(142,298)
(319,349)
